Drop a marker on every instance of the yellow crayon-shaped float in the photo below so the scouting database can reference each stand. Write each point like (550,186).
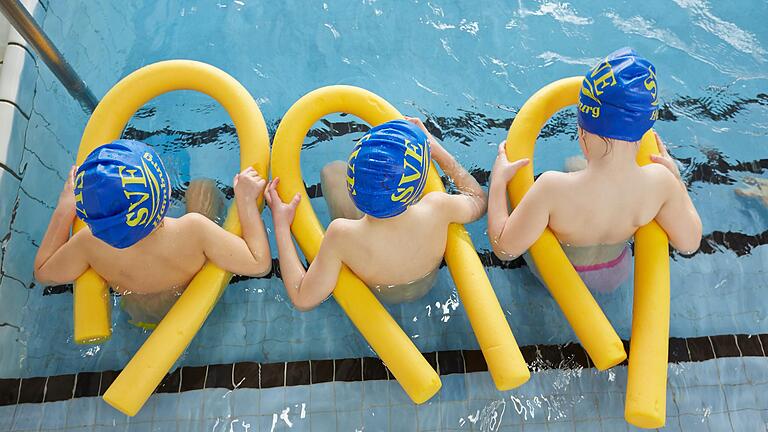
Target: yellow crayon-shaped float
(418,379)
(165,344)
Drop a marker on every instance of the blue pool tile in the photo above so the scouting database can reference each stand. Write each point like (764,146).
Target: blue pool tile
(611,404)
(270,422)
(108,416)
(245,402)
(217,403)
(722,422)
(741,397)
(272,401)
(164,426)
(747,420)
(756,369)
(295,396)
(542,427)
(403,418)
(82,411)
(454,388)
(568,427)
(27,417)
(761,394)
(142,426)
(479,385)
(323,421)
(190,404)
(376,393)
(349,421)
(348,396)
(185,425)
(614,425)
(54,415)
(376,419)
(692,422)
(322,397)
(452,412)
(6,416)
(398,396)
(242,423)
(587,408)
(145,414)
(732,371)
(166,406)
(429,415)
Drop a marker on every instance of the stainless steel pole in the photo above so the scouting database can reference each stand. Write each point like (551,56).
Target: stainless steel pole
(20,18)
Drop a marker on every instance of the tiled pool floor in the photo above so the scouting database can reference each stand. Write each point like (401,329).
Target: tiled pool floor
(729,394)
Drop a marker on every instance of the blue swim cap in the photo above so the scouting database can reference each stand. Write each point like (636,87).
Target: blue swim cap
(387,169)
(618,97)
(122,192)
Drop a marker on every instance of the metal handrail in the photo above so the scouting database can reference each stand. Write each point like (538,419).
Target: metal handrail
(25,24)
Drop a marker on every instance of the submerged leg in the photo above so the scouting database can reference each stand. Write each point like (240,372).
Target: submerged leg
(204,197)
(333,180)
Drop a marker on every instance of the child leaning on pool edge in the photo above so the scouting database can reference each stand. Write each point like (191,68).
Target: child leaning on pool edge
(382,229)
(122,192)
(594,211)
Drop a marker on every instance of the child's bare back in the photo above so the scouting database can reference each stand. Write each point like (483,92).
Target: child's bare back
(393,247)
(122,191)
(595,211)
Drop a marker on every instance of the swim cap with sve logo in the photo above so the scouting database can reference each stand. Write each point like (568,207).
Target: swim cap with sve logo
(619,97)
(122,192)
(387,169)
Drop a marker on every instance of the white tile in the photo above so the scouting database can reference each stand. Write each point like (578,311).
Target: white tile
(13,127)
(36,11)
(17,82)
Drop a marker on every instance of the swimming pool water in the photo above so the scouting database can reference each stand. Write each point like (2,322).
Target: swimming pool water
(465,68)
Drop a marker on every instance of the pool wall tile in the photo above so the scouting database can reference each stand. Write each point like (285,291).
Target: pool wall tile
(12,137)
(27,417)
(322,397)
(18,78)
(326,421)
(54,415)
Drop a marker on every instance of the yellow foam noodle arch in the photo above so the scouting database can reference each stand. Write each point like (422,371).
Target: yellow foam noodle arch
(647,377)
(581,310)
(397,351)
(153,360)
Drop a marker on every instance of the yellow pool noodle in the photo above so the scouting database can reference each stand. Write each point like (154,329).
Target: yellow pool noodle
(373,321)
(591,326)
(143,373)
(646,402)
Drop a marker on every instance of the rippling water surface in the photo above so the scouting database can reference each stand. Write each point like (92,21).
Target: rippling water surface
(466,68)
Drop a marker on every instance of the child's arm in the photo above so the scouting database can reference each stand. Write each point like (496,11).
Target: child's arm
(306,289)
(470,204)
(59,260)
(250,254)
(511,235)
(677,216)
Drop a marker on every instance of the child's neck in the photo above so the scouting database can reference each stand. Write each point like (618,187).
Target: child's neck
(618,156)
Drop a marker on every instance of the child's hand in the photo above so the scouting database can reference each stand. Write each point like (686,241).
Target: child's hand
(664,158)
(282,213)
(67,196)
(503,169)
(439,154)
(249,184)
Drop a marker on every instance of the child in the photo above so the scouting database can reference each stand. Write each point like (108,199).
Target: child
(595,211)
(389,238)
(122,192)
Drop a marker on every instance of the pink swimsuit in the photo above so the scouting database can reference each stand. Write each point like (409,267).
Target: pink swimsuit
(602,277)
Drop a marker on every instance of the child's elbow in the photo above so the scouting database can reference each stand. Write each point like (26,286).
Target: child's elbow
(263,266)
(302,305)
(506,254)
